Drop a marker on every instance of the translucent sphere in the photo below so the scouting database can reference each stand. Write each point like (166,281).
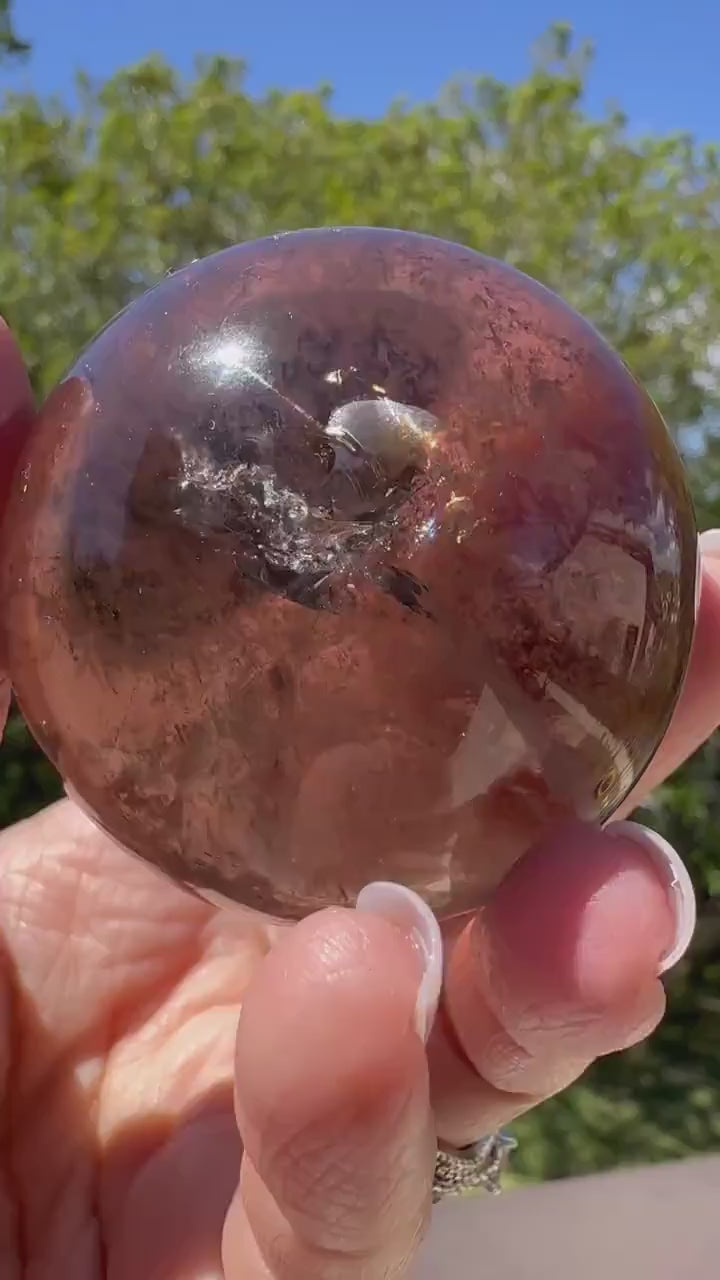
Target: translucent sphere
(344,555)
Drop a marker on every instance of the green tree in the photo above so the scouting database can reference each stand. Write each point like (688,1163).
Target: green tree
(98,201)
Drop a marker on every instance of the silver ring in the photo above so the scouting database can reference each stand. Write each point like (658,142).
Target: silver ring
(481,1165)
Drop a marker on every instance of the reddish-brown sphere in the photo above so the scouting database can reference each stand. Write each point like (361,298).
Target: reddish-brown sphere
(348,555)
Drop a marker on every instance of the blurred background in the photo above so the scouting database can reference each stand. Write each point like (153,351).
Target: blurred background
(136,136)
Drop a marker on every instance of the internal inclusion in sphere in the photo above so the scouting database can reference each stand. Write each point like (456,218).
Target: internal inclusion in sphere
(348,555)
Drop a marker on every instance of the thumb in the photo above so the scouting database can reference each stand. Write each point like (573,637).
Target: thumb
(332,1096)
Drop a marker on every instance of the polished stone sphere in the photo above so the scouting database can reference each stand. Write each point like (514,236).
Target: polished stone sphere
(344,555)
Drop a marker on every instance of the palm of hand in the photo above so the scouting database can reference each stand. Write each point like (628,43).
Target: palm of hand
(118,1097)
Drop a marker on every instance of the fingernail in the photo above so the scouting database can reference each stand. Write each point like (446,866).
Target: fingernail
(710,544)
(413,917)
(676,878)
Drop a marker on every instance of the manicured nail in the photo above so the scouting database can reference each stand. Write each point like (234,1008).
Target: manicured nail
(676,878)
(414,918)
(710,544)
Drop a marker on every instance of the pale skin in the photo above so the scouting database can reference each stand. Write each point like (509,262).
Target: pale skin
(128,1075)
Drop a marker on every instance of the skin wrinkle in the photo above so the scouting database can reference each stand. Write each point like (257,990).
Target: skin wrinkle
(191,1051)
(332,1183)
(289,1144)
(505,1063)
(582,1005)
(76,1180)
(136,994)
(81,1187)
(286,1255)
(59,1201)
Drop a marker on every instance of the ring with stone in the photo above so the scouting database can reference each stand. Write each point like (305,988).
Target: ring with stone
(477,1166)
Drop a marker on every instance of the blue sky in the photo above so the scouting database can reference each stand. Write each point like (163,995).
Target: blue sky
(658,59)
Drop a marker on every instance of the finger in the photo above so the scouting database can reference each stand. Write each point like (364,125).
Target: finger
(698,711)
(332,1105)
(16,416)
(560,967)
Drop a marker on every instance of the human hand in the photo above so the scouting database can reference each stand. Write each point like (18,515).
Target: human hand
(126,1078)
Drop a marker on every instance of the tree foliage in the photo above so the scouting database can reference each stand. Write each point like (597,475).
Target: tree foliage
(100,199)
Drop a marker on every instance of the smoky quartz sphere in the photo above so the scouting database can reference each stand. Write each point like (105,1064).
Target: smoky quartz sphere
(347,555)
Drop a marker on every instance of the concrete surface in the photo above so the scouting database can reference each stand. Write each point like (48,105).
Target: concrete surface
(660,1223)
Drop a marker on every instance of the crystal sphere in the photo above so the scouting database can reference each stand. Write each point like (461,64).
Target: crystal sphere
(347,555)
